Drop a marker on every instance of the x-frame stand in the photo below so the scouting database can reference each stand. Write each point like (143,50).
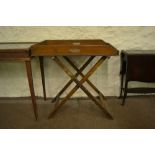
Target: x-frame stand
(79,84)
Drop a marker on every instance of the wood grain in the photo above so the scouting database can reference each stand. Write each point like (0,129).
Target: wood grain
(73,47)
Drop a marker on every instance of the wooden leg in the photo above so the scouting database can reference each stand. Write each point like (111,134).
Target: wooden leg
(122,82)
(30,81)
(102,99)
(70,82)
(89,82)
(79,84)
(41,60)
(125,91)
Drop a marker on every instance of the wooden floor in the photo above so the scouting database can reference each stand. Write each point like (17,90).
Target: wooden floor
(139,112)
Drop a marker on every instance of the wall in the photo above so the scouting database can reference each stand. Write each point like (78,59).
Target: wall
(13,79)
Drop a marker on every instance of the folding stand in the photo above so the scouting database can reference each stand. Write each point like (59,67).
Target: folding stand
(79,84)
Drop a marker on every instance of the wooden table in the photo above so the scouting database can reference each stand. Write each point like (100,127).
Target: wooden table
(66,48)
(137,65)
(21,55)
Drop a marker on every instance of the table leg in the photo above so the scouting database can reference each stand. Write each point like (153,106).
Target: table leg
(70,82)
(122,82)
(30,81)
(80,73)
(41,60)
(125,91)
(79,85)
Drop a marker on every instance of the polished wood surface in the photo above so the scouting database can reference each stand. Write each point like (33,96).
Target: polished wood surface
(15,54)
(73,47)
(19,51)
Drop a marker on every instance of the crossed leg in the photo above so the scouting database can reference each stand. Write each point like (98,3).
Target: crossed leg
(79,85)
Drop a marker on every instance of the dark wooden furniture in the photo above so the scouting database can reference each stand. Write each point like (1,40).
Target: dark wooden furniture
(137,65)
(22,55)
(66,48)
